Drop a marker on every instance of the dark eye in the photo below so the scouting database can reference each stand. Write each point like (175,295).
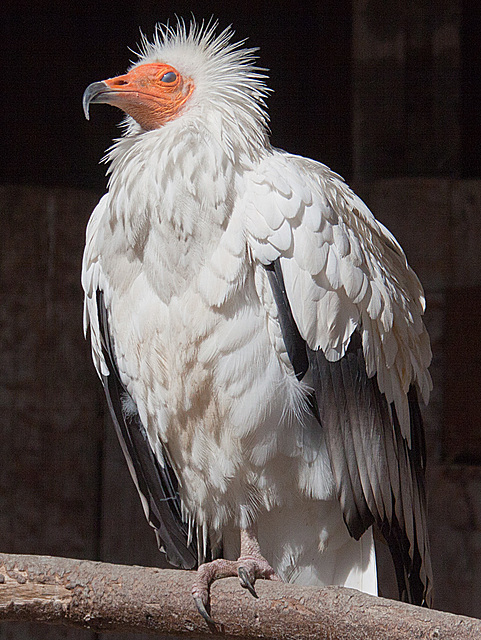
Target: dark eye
(169,77)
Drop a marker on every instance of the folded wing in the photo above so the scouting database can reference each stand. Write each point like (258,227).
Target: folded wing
(151,471)
(350,310)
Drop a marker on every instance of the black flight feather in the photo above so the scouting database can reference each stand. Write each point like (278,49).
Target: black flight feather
(295,345)
(379,478)
(154,479)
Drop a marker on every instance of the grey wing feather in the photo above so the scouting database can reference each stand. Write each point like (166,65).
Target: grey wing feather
(155,481)
(295,345)
(379,478)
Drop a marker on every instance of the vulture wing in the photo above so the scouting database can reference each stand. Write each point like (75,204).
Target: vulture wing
(350,309)
(152,474)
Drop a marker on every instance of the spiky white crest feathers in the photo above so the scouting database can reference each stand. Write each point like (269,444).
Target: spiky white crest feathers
(196,209)
(229,88)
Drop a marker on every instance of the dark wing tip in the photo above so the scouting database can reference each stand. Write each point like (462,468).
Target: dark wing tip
(379,478)
(156,482)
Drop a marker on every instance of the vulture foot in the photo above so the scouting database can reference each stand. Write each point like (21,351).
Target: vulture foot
(249,567)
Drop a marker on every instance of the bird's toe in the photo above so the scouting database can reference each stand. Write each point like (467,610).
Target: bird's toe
(204,609)
(246,580)
(207,573)
(248,568)
(252,568)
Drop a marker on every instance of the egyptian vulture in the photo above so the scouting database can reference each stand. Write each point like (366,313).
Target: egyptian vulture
(258,334)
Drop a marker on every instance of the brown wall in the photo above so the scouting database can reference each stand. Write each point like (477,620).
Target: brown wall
(415,93)
(64,487)
(438,223)
(402,86)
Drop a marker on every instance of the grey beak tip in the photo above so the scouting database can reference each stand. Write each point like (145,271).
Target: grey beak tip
(93,93)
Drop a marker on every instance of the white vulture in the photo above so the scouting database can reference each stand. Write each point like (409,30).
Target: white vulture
(258,333)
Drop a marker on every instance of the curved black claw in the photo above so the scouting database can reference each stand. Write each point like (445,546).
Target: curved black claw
(204,613)
(245,581)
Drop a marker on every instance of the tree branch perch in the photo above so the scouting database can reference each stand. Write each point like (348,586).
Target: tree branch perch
(108,597)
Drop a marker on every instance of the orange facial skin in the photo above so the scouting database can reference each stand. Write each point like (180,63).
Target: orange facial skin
(151,93)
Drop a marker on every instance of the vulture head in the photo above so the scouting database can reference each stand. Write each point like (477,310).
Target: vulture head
(192,75)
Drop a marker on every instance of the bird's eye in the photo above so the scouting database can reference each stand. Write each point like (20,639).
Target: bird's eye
(169,77)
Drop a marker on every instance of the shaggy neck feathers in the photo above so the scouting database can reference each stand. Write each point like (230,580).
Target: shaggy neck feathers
(182,173)
(228,98)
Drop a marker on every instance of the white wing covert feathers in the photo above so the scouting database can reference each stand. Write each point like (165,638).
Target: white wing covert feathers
(261,331)
(358,307)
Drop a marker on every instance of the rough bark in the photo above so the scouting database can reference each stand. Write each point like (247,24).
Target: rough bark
(108,597)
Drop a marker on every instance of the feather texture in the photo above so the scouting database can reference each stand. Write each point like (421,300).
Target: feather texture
(351,268)
(259,335)
(152,474)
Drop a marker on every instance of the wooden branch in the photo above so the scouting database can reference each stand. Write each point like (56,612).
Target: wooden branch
(108,597)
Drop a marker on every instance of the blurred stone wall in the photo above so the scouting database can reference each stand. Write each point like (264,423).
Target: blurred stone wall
(438,223)
(413,140)
(64,486)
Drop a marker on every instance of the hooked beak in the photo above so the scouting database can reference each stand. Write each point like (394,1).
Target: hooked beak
(124,92)
(97,92)
(143,94)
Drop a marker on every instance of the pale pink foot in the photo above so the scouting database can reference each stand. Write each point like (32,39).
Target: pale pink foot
(249,567)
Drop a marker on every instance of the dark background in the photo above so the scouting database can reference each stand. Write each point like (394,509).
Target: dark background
(52,50)
(52,53)
(386,92)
